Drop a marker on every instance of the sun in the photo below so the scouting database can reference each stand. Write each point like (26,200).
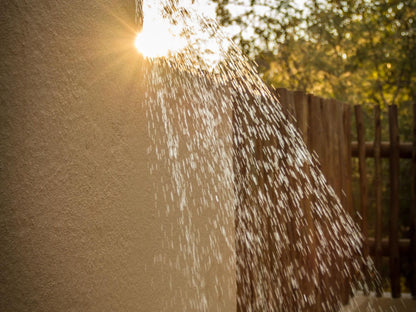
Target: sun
(158,37)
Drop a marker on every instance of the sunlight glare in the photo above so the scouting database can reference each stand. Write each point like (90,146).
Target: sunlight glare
(158,38)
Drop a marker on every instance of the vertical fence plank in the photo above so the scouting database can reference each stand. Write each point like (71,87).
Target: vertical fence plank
(283,99)
(378,185)
(326,153)
(347,201)
(343,159)
(314,120)
(302,105)
(287,101)
(394,203)
(337,133)
(291,104)
(321,145)
(328,157)
(266,228)
(314,138)
(246,275)
(347,155)
(363,176)
(297,107)
(282,96)
(301,108)
(413,212)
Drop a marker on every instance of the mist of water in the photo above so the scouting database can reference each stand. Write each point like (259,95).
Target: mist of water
(240,180)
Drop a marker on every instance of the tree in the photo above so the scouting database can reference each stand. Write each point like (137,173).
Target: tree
(358,51)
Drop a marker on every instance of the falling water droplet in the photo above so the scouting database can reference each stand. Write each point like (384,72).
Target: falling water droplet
(257,178)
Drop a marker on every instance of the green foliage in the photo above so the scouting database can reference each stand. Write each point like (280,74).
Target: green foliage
(357,51)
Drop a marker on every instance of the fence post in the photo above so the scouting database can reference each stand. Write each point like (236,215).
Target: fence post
(377,180)
(413,212)
(394,203)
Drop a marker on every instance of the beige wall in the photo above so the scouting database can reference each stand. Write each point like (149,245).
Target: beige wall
(78,228)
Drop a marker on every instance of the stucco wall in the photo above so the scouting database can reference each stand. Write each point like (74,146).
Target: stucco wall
(78,228)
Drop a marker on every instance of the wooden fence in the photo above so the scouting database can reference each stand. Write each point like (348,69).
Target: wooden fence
(330,139)
(326,129)
(398,250)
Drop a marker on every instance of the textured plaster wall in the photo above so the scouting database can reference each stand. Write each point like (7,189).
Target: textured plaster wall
(78,230)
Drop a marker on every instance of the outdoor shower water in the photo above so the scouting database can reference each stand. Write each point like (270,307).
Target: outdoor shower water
(239,177)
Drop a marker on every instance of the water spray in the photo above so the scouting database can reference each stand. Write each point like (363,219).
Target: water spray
(239,177)
(139,15)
